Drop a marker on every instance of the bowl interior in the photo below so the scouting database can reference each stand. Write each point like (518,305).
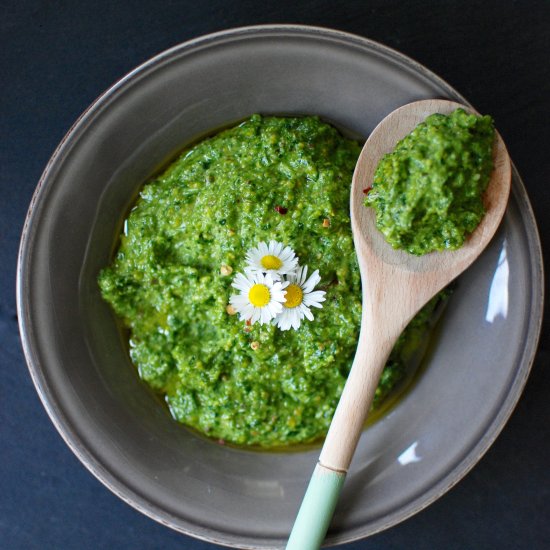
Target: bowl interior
(120,430)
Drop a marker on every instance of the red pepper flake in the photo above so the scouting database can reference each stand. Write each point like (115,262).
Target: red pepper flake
(281,209)
(248,322)
(367,190)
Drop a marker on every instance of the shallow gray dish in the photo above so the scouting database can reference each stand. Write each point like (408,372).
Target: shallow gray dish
(476,369)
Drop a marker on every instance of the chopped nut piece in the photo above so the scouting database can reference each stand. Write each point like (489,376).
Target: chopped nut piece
(226,270)
(247,329)
(230,309)
(326,222)
(255,345)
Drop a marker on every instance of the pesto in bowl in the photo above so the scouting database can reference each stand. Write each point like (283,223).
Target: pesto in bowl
(269,178)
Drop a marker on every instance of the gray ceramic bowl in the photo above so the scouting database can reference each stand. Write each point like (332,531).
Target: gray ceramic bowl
(477,366)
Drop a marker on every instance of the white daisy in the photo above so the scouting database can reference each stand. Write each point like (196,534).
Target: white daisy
(260,298)
(300,297)
(274,259)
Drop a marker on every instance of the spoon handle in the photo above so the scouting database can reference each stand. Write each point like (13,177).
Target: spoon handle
(349,418)
(316,510)
(328,477)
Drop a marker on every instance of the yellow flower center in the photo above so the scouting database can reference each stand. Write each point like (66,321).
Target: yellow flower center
(259,295)
(294,296)
(271,262)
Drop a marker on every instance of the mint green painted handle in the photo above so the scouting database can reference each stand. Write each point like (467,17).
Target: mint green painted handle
(316,510)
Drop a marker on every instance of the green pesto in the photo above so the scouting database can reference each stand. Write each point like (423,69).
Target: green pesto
(427,193)
(217,200)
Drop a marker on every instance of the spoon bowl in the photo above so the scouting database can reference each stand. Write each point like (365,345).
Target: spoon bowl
(395,286)
(368,240)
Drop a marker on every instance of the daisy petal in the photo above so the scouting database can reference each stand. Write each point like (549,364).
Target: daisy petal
(312,282)
(314,299)
(307,312)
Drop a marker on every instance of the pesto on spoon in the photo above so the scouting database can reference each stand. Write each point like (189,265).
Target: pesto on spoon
(428,192)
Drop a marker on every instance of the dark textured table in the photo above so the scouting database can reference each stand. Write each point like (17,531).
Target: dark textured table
(57,57)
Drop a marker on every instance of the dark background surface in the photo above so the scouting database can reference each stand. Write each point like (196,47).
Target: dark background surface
(57,57)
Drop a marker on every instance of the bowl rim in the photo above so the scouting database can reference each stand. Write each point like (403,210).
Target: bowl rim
(30,346)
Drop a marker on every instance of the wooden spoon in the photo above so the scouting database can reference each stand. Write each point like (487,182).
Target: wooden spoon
(395,286)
